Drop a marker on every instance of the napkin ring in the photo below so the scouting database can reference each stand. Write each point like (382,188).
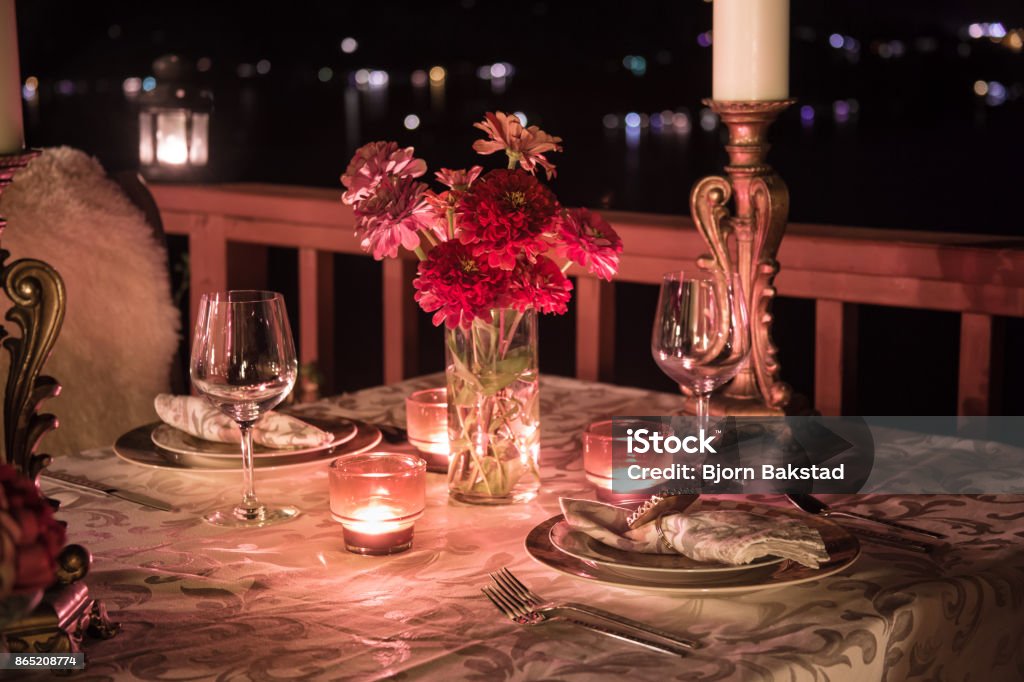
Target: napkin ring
(661,535)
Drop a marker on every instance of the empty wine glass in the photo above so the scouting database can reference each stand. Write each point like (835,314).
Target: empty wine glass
(701,338)
(243,362)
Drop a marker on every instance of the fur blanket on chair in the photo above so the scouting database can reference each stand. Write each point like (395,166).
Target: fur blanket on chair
(121,329)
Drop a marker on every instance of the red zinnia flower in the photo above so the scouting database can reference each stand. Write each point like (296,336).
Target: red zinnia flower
(505,215)
(392,216)
(541,286)
(459,287)
(590,242)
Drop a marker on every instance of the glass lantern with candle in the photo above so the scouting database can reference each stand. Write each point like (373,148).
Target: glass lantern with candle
(174,123)
(377,498)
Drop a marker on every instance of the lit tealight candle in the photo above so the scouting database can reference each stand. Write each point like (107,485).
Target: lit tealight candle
(377,498)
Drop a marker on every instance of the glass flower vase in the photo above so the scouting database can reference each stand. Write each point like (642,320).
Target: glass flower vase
(494,409)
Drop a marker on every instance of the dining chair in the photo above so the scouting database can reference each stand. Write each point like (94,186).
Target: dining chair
(121,328)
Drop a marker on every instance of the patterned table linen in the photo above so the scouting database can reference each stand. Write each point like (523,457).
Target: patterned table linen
(198,602)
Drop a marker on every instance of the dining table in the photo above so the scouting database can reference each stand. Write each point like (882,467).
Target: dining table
(288,601)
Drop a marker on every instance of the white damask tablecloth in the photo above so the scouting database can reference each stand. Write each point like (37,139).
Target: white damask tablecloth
(286,602)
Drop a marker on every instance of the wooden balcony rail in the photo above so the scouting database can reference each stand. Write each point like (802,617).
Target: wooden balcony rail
(980,277)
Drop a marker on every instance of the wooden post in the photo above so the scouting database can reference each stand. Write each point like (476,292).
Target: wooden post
(595,329)
(208,260)
(401,336)
(980,365)
(835,356)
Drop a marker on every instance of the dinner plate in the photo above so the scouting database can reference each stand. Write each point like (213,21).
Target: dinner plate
(672,569)
(137,447)
(842,547)
(169,438)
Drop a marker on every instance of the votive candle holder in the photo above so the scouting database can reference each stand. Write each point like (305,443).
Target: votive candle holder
(377,497)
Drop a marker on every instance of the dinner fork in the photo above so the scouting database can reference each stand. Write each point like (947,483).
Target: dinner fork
(526,604)
(524,616)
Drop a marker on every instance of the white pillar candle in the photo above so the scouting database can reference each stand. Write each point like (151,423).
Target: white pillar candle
(750,46)
(12,134)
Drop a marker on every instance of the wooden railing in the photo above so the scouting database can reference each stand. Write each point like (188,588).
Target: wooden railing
(980,277)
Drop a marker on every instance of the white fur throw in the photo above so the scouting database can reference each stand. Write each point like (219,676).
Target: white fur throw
(121,329)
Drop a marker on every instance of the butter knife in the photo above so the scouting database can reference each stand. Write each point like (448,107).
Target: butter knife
(112,491)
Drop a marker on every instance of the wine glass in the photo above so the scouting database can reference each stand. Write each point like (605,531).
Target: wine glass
(701,338)
(243,362)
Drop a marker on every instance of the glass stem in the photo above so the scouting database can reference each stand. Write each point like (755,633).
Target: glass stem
(250,505)
(703,410)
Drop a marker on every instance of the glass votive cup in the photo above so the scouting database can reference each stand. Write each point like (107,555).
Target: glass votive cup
(377,497)
(426,422)
(600,466)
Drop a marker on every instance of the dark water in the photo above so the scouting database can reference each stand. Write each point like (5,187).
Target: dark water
(899,137)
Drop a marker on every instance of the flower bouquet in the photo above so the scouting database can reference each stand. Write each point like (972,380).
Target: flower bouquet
(30,540)
(494,249)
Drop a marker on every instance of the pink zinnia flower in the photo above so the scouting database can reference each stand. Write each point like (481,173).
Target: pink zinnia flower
(589,241)
(372,163)
(457,287)
(392,216)
(525,146)
(505,215)
(541,286)
(458,180)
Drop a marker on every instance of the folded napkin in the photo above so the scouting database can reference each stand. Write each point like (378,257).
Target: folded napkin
(727,537)
(199,418)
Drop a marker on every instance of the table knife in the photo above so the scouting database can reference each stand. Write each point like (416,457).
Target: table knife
(812,505)
(92,486)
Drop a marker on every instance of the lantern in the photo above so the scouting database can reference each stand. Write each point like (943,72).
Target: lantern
(174,123)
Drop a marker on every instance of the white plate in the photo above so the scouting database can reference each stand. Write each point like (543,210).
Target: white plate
(843,549)
(137,447)
(175,440)
(660,568)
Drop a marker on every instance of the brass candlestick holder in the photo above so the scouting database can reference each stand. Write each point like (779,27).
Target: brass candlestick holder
(745,243)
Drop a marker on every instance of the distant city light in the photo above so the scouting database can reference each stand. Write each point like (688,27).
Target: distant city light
(807,115)
(30,88)
(378,79)
(986,30)
(704,39)
(996,94)
(681,122)
(636,64)
(204,64)
(362,77)
(632,120)
(131,86)
(325,74)
(708,120)
(657,121)
(851,44)
(836,41)
(610,121)
(419,78)
(497,70)
(66,87)
(437,74)
(980,88)
(349,45)
(522,117)
(245,70)
(841,111)
(412,122)
(263,67)
(148,83)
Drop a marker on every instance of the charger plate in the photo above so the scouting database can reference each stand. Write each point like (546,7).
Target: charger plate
(137,447)
(842,547)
